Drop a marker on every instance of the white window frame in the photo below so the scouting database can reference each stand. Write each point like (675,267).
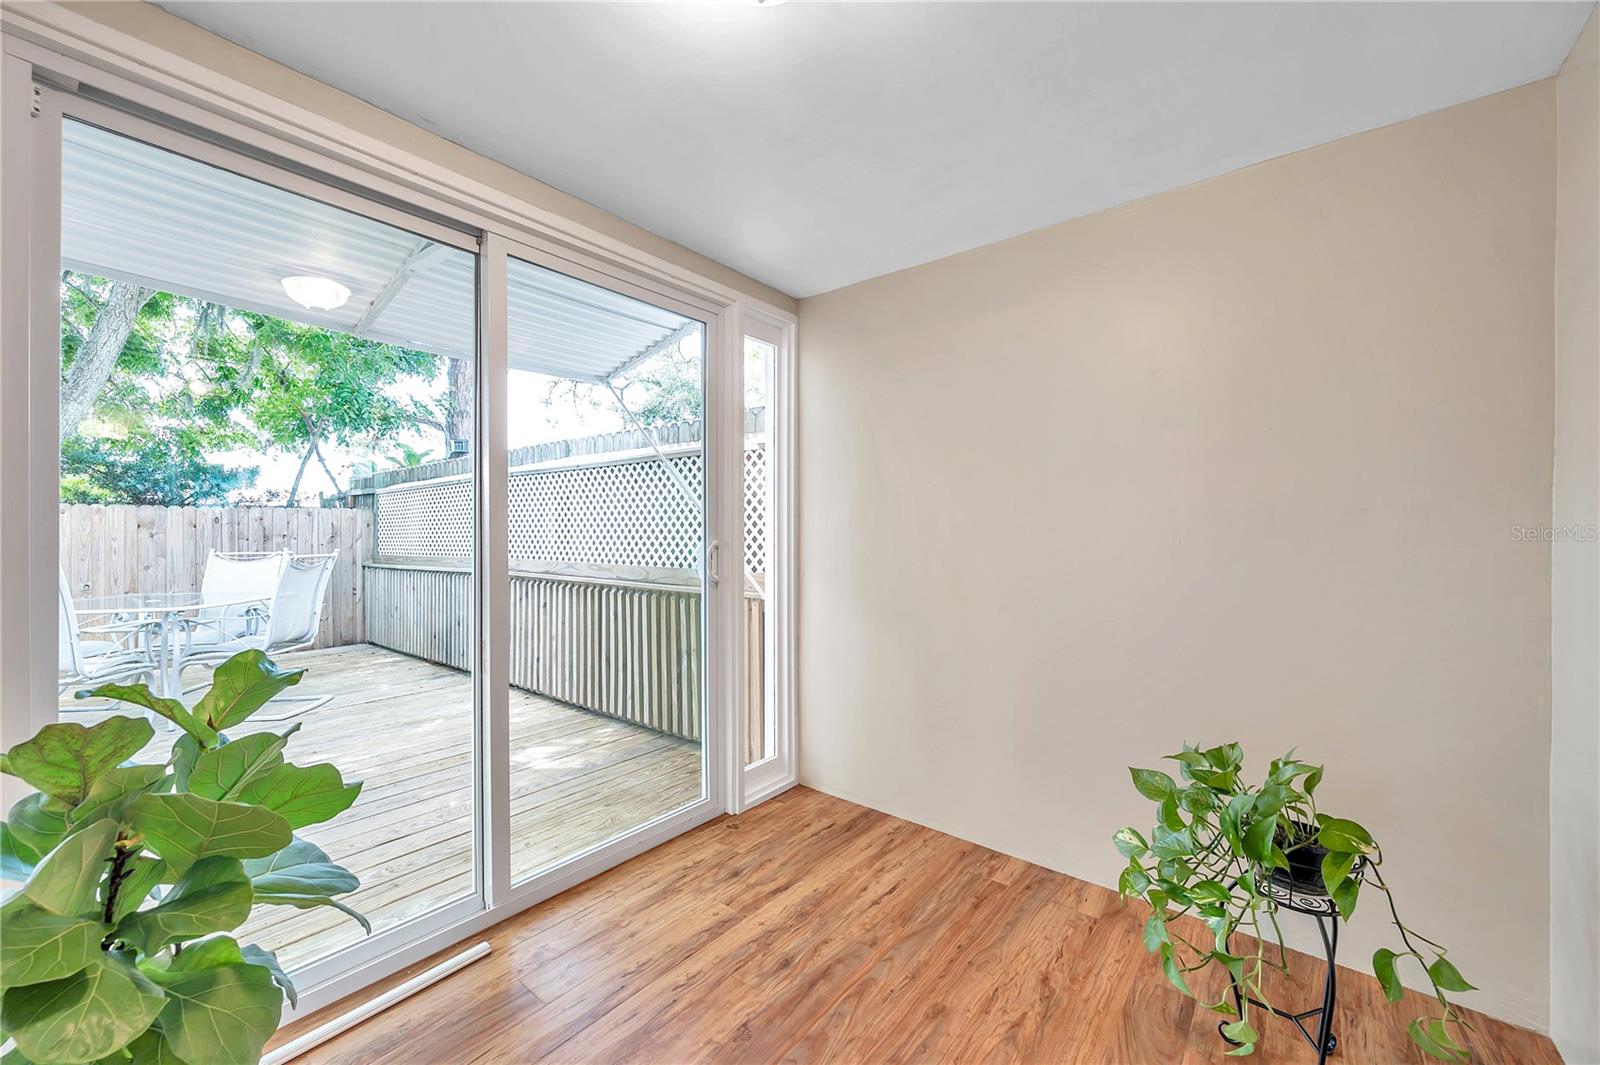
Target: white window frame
(779,770)
(52,46)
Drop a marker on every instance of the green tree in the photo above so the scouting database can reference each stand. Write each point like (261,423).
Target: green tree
(302,386)
(161,467)
(151,379)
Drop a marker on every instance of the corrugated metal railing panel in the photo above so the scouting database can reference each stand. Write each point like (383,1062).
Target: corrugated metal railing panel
(630,652)
(419,612)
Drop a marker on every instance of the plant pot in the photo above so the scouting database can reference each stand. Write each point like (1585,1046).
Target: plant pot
(1304,874)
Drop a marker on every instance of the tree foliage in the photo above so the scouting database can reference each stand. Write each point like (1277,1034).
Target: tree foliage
(116,949)
(192,379)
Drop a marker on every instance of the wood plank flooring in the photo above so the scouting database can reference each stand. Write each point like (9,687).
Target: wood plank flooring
(810,930)
(404,727)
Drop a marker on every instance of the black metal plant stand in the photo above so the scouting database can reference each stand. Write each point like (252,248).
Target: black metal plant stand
(1322,908)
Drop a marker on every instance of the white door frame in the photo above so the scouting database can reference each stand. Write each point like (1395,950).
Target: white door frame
(779,770)
(29,450)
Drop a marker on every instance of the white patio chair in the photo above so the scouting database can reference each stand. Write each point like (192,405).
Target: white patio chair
(290,621)
(239,574)
(81,662)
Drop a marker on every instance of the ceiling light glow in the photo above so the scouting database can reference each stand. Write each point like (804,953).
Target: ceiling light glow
(316,293)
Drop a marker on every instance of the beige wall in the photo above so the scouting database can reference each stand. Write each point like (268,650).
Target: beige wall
(1240,461)
(153,26)
(1575,565)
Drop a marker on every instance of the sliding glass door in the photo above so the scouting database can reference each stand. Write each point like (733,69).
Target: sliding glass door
(485,493)
(605,425)
(266,413)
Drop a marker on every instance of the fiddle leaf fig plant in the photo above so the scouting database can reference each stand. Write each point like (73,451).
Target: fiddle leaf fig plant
(115,948)
(1219,847)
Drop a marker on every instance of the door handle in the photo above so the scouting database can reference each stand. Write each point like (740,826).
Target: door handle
(714,561)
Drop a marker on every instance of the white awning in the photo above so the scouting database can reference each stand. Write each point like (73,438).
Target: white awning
(132,212)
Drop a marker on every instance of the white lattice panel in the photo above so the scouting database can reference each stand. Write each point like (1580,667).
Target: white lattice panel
(626,513)
(755,509)
(431,520)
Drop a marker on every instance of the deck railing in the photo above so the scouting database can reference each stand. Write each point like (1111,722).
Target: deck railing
(626,642)
(614,626)
(626,645)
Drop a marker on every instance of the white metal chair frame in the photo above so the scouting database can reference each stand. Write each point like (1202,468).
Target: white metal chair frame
(228,622)
(121,663)
(268,630)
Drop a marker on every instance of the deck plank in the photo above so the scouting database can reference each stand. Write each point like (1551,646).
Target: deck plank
(404,727)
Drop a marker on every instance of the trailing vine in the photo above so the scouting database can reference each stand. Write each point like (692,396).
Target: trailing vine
(1216,845)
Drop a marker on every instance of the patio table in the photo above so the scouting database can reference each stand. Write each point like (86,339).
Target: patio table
(162,616)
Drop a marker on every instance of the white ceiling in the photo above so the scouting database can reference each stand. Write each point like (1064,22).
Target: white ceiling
(811,145)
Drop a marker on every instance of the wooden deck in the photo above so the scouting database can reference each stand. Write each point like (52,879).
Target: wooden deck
(404,727)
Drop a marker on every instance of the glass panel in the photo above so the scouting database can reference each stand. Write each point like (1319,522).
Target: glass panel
(759,516)
(606,527)
(265,409)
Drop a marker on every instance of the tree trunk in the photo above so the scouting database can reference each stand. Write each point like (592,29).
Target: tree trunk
(294,489)
(458,422)
(97,357)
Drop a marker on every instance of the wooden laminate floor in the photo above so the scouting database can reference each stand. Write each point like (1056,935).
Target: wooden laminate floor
(812,929)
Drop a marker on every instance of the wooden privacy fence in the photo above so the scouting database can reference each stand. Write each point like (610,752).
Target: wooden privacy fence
(626,648)
(116,549)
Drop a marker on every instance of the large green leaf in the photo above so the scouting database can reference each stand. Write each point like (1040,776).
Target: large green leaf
(1338,834)
(37,945)
(185,828)
(84,1017)
(1129,843)
(38,822)
(1241,1031)
(1345,896)
(152,1048)
(1383,968)
(240,686)
(211,953)
(1155,932)
(1335,867)
(213,896)
(302,876)
(305,795)
(63,760)
(1153,784)
(1258,839)
(311,902)
(221,772)
(68,880)
(186,751)
(219,1015)
(1133,880)
(1446,977)
(171,709)
(17,859)
(268,960)
(301,868)
(108,792)
(1169,965)
(1435,1040)
(1169,844)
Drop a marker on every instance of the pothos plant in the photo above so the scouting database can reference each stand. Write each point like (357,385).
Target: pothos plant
(1217,843)
(115,949)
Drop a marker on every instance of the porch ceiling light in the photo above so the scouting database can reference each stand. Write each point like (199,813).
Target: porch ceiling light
(316,293)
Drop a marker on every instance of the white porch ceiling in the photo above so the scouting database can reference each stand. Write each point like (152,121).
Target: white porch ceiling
(813,145)
(133,212)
